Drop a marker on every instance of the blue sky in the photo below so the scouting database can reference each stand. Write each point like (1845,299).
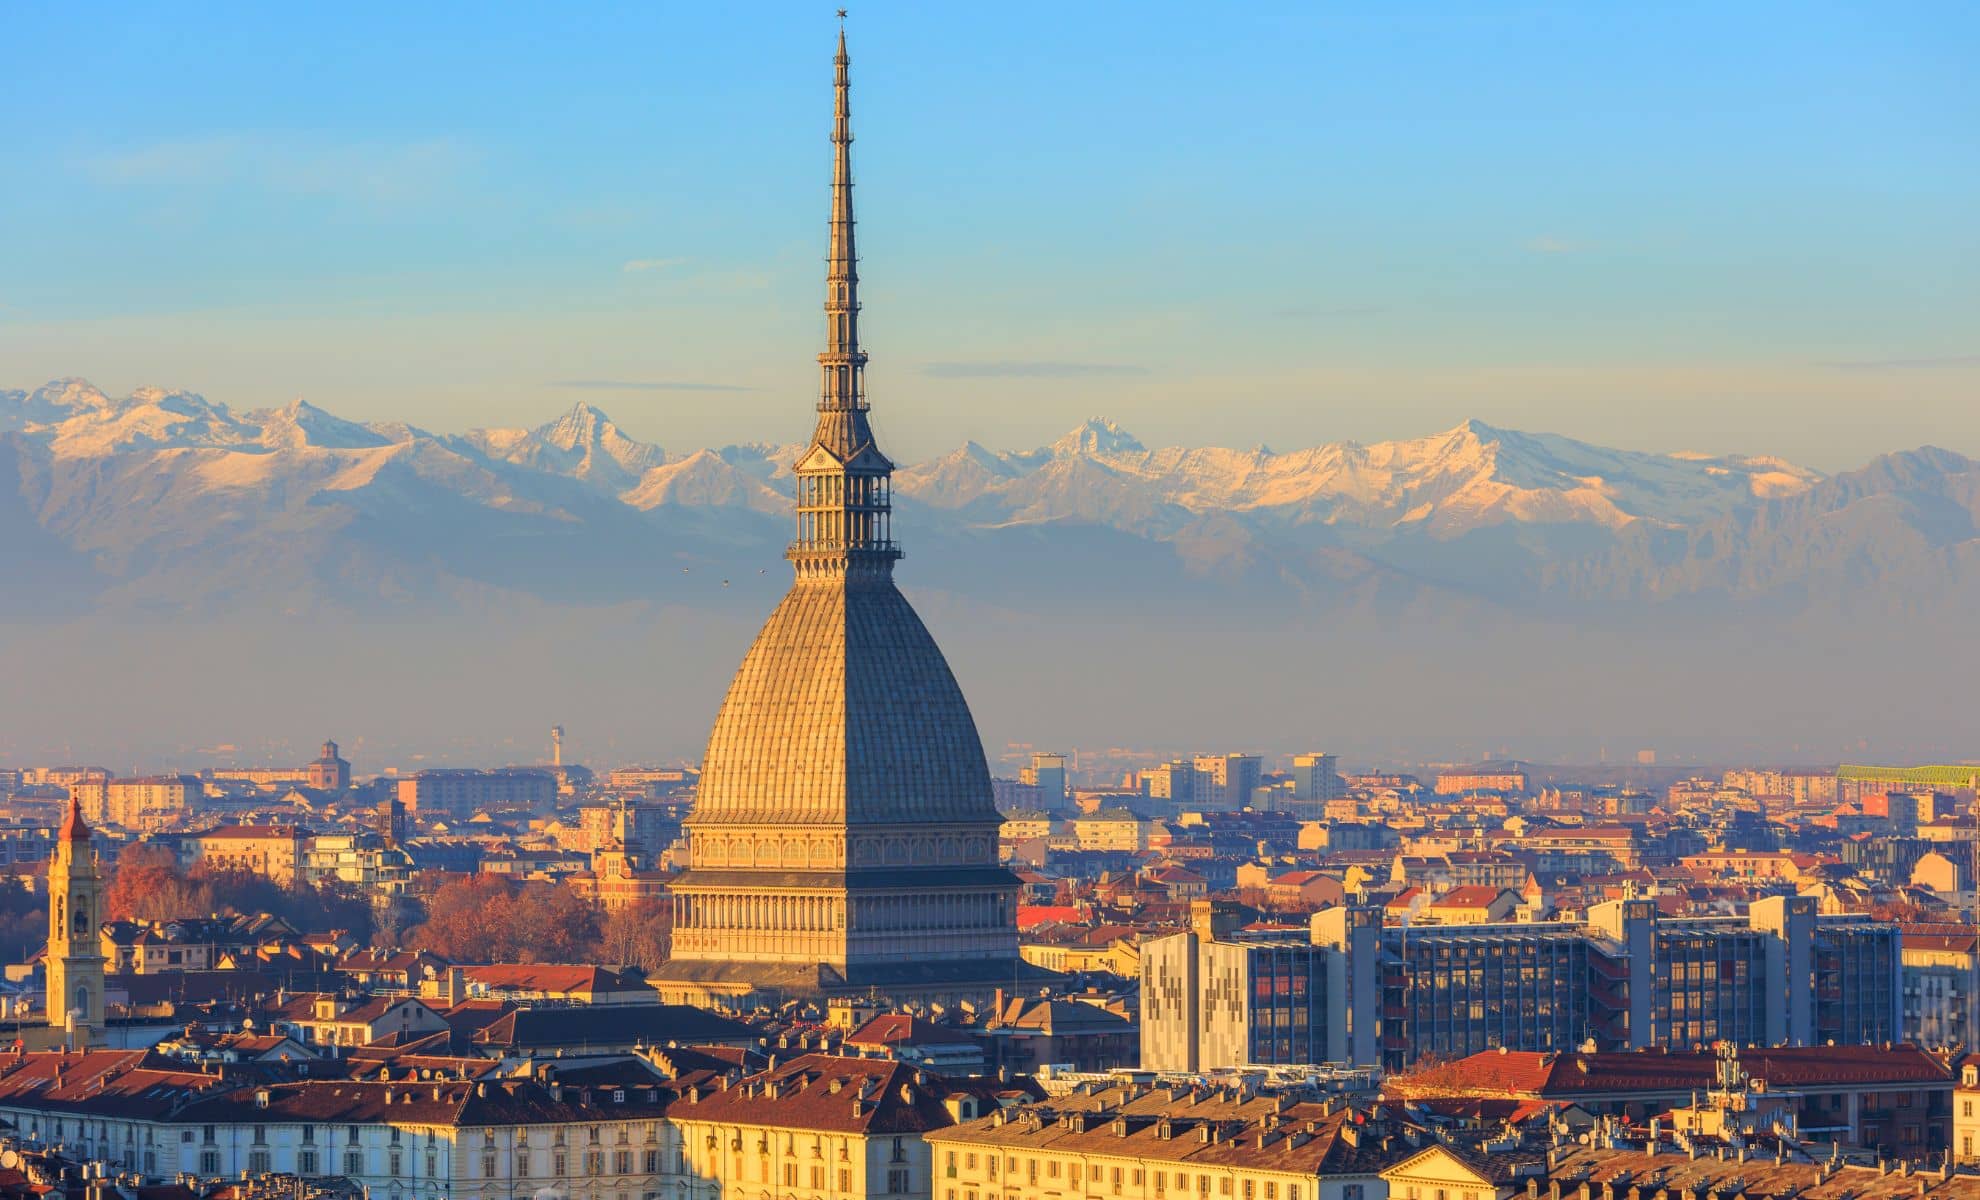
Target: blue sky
(1720,227)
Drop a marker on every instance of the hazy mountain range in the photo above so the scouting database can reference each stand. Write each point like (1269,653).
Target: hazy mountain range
(1479,588)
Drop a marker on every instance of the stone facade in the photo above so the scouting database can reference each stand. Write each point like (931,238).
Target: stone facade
(844,837)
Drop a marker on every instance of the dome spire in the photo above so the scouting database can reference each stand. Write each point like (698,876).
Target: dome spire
(844,503)
(842,272)
(74,828)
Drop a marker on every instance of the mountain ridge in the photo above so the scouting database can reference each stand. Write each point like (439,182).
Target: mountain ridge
(1095,582)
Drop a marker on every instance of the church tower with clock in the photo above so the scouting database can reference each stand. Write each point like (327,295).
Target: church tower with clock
(74,962)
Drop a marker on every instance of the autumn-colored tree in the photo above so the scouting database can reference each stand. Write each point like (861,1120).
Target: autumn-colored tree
(241,891)
(552,924)
(147,886)
(392,920)
(639,936)
(468,920)
(483,918)
(335,905)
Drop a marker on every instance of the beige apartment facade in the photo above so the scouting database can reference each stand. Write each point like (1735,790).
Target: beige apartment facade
(820,1127)
(146,801)
(1131,1143)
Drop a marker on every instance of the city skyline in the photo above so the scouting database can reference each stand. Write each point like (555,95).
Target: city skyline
(1708,230)
(396,807)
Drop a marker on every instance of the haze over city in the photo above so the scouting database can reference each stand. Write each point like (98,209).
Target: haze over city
(1740,234)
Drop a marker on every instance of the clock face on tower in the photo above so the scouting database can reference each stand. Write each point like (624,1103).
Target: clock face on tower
(74,963)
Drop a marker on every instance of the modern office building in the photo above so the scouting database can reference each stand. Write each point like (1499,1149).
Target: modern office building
(1940,965)
(1316,778)
(1047,773)
(1224,781)
(1172,781)
(1628,979)
(1209,1000)
(459,793)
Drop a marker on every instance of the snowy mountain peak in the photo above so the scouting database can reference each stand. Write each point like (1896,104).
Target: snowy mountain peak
(582,443)
(583,425)
(61,398)
(300,424)
(1096,436)
(76,418)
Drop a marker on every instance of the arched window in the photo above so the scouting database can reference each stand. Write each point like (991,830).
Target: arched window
(82,914)
(82,999)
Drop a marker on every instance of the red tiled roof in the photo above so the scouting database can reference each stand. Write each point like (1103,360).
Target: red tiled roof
(73,828)
(1476,895)
(817,1092)
(1959,939)
(544,977)
(1029,915)
(903,1029)
(1530,1074)
(1298,878)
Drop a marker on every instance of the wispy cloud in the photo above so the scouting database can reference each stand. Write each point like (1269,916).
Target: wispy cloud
(1020,368)
(1549,243)
(1954,362)
(647,385)
(376,173)
(651,264)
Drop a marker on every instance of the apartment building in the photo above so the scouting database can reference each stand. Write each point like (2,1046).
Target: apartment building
(1627,979)
(1316,778)
(820,1127)
(1224,781)
(1209,1000)
(410,1138)
(1940,965)
(1457,783)
(141,802)
(277,851)
(457,793)
(1132,1143)
(1886,1097)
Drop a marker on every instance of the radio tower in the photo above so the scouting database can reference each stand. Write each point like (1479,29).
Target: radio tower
(557,746)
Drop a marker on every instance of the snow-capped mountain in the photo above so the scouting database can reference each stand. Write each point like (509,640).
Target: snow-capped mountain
(127,484)
(1470,560)
(583,444)
(1445,485)
(178,453)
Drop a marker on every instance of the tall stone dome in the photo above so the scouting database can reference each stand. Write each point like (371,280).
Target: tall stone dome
(844,712)
(844,837)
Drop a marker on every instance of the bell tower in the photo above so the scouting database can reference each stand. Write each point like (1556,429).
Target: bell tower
(74,962)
